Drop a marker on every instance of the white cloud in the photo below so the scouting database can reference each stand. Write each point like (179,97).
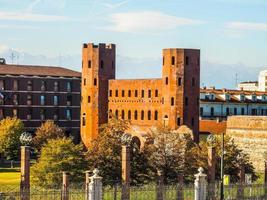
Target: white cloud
(247,26)
(147,21)
(3,48)
(24,16)
(9,26)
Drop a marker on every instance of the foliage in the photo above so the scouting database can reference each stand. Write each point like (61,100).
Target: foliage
(59,155)
(48,130)
(10,131)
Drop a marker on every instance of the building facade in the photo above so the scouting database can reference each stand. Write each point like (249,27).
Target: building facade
(248,86)
(172,100)
(221,103)
(38,93)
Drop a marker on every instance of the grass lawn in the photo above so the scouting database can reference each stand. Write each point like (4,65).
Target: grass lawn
(9,176)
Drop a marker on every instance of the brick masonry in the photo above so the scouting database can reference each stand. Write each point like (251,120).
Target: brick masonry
(250,134)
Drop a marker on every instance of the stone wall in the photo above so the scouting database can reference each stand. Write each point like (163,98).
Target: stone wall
(250,134)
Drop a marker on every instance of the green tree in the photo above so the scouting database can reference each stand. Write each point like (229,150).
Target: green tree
(59,155)
(48,130)
(10,131)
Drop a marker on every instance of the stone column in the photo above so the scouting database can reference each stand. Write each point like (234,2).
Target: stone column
(160,186)
(87,181)
(25,173)
(95,190)
(126,167)
(211,170)
(65,186)
(200,185)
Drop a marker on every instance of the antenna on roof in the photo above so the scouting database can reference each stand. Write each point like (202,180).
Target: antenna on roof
(12,57)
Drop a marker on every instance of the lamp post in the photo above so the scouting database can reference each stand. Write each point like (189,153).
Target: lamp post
(222,166)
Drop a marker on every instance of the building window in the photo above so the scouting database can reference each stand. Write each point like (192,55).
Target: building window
(235,111)
(89,99)
(116,93)
(84,81)
(173,60)
(129,115)
(156,115)
(242,111)
(156,93)
(68,114)
(149,93)
(135,115)
(42,114)
(163,60)
(129,93)
(201,111)
(186,60)
(42,100)
(89,63)
(55,115)
(15,85)
(29,100)
(102,64)
(116,114)
(15,99)
(122,114)
(136,93)
(149,115)
(84,121)
(110,93)
(172,101)
(142,115)
(43,86)
(29,85)
(179,81)
(254,111)
(122,93)
(29,114)
(193,81)
(15,112)
(95,81)
(69,100)
(178,121)
(2,85)
(69,86)
(110,113)
(192,122)
(166,81)
(143,94)
(212,111)
(55,100)
(186,101)
(56,86)
(227,111)
(1,113)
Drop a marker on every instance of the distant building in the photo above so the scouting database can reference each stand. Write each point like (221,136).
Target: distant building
(38,93)
(171,100)
(263,81)
(248,86)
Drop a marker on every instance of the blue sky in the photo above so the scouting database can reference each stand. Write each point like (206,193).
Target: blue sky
(231,34)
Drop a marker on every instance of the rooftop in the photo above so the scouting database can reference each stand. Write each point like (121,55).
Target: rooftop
(35,70)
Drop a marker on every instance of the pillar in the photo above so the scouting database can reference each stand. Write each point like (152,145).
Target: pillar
(65,186)
(200,185)
(87,181)
(126,168)
(211,170)
(240,193)
(25,173)
(160,186)
(95,189)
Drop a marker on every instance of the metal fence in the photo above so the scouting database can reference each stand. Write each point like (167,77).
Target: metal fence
(145,192)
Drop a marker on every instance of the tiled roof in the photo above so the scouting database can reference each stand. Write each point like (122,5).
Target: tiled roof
(230,91)
(212,127)
(35,70)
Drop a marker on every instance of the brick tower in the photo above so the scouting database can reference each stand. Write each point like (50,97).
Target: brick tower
(98,67)
(180,88)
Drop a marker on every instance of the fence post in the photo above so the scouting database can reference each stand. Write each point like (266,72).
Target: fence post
(211,171)
(65,186)
(126,167)
(240,193)
(87,181)
(200,185)
(180,192)
(25,173)
(160,185)
(95,189)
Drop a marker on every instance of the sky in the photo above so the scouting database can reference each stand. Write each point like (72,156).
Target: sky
(232,34)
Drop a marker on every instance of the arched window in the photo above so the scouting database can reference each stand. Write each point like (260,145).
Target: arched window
(166,81)
(95,81)
(172,101)
(156,115)
(102,64)
(149,115)
(122,114)
(173,60)
(142,115)
(89,63)
(116,113)
(129,115)
(179,81)
(135,115)
(89,99)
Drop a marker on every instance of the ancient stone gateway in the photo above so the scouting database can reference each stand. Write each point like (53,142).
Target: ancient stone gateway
(250,134)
